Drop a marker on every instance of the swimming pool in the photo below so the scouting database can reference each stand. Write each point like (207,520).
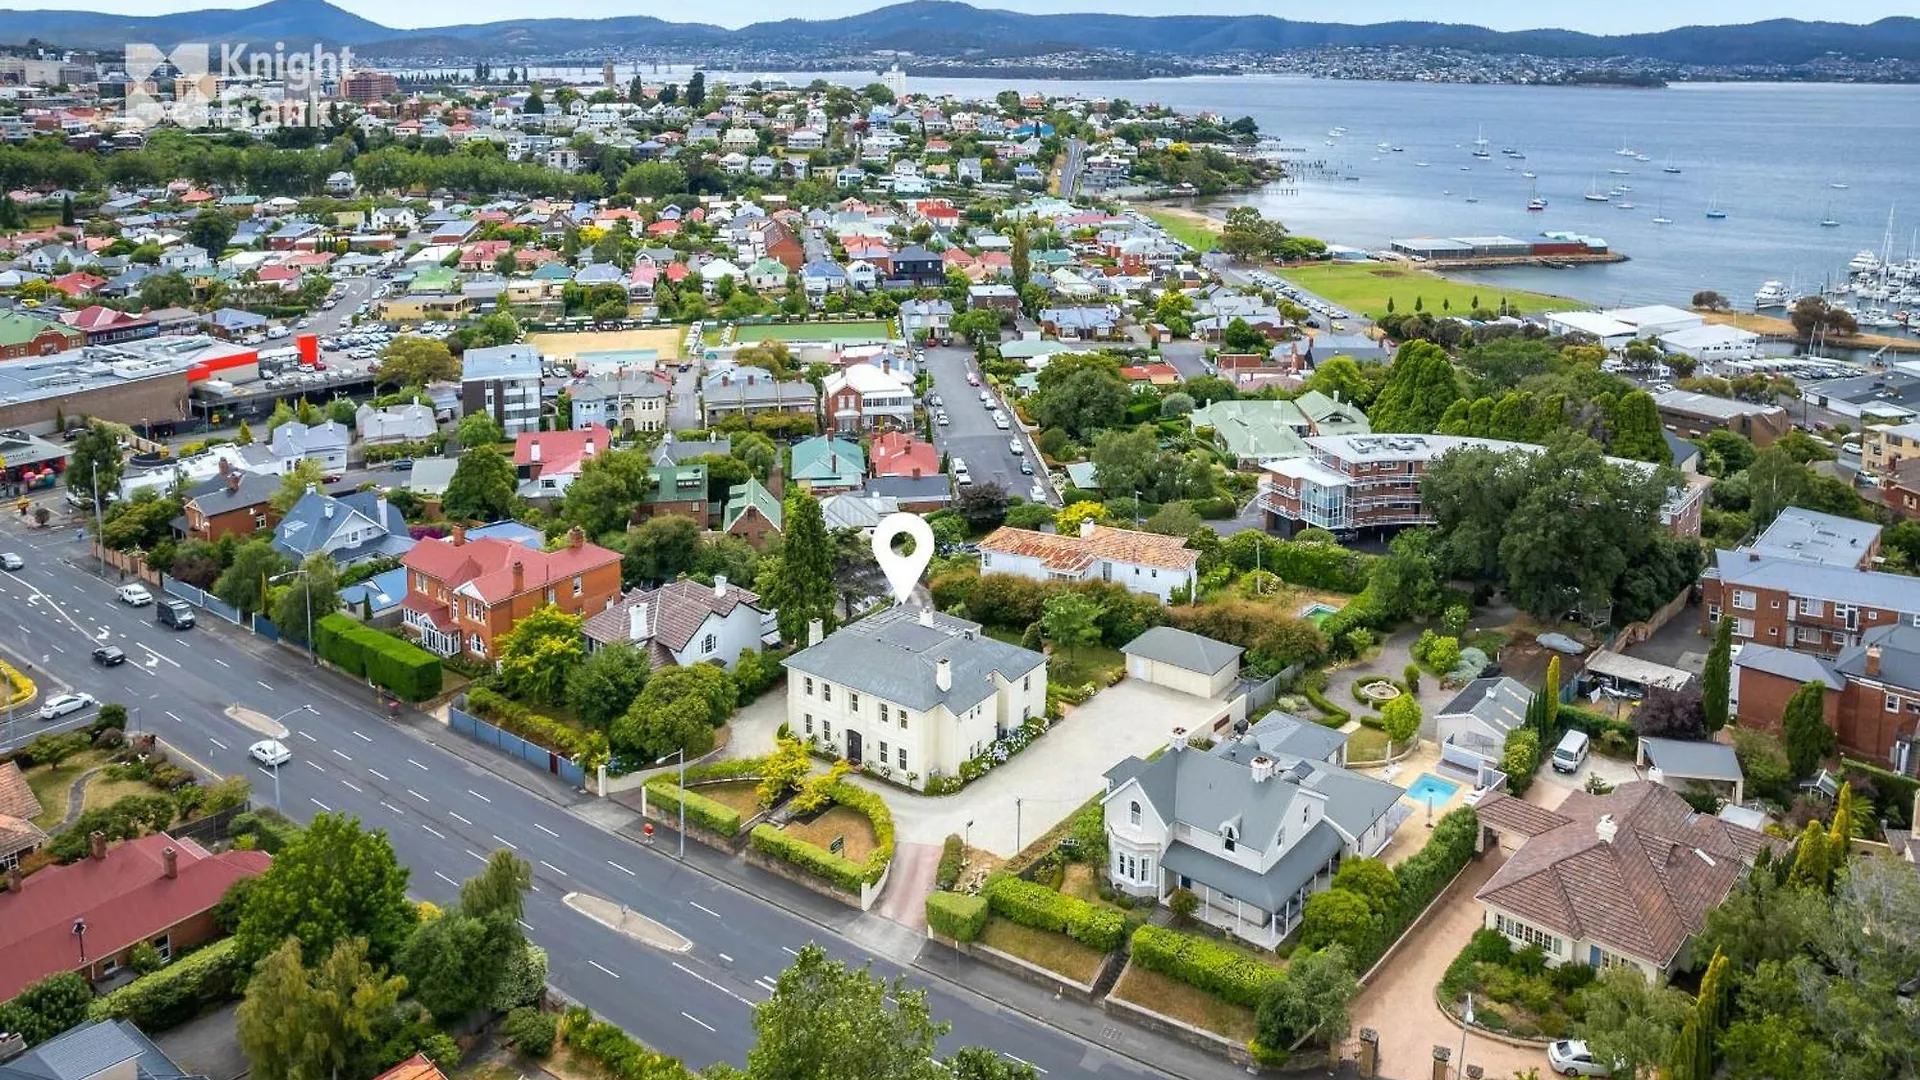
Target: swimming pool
(1431,786)
(1316,612)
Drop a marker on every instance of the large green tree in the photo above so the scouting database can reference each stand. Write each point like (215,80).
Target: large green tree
(296,1024)
(1420,387)
(334,882)
(799,582)
(1716,679)
(244,582)
(1070,620)
(454,962)
(1804,722)
(661,549)
(1636,430)
(602,498)
(604,685)
(1632,1020)
(94,461)
(482,487)
(307,598)
(539,653)
(1311,1002)
(1084,395)
(417,361)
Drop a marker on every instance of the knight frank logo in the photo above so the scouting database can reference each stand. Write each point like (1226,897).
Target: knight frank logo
(194,86)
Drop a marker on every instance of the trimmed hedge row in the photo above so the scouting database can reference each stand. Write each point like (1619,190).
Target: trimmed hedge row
(406,669)
(1224,972)
(1019,900)
(730,769)
(665,794)
(957,915)
(953,858)
(1335,715)
(862,801)
(178,992)
(511,716)
(1423,874)
(842,872)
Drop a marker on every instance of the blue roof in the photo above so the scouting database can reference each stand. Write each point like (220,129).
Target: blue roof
(500,362)
(511,531)
(89,1050)
(383,590)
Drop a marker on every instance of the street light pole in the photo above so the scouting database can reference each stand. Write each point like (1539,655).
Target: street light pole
(303,572)
(276,769)
(682,755)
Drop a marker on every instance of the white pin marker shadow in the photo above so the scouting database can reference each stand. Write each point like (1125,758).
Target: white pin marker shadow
(903,571)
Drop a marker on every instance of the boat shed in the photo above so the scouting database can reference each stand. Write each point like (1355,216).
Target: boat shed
(1432,247)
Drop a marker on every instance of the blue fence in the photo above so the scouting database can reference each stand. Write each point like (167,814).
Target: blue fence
(265,628)
(465,723)
(200,598)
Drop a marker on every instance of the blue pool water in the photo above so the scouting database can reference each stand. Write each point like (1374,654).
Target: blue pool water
(1316,612)
(1431,786)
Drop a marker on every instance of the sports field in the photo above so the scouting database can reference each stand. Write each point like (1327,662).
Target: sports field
(664,340)
(844,332)
(1366,288)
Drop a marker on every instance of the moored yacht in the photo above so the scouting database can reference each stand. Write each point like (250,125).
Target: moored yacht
(1771,294)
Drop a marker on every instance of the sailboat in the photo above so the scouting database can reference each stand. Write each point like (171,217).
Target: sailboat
(1471,197)
(1827,220)
(1659,214)
(1670,167)
(1713,208)
(1594,194)
(1534,201)
(1480,143)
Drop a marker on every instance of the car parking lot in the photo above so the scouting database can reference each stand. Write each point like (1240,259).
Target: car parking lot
(1324,314)
(971,435)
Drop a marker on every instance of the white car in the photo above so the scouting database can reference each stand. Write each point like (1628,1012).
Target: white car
(270,752)
(134,595)
(941,418)
(1038,494)
(63,704)
(1014,445)
(11,561)
(1570,1057)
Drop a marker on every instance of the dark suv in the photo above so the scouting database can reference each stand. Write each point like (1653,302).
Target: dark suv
(175,613)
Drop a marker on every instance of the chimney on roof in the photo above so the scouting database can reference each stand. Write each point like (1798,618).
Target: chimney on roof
(943,674)
(225,466)
(637,621)
(1873,661)
(815,631)
(97,844)
(1605,828)
(327,509)
(719,586)
(1262,768)
(533,450)
(519,576)
(1177,739)
(587,450)
(926,617)
(576,537)
(233,479)
(459,535)
(170,860)
(380,509)
(1086,529)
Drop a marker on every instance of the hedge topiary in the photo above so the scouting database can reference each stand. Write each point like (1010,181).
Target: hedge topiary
(667,798)
(1028,904)
(957,915)
(1226,973)
(178,992)
(953,858)
(842,872)
(404,668)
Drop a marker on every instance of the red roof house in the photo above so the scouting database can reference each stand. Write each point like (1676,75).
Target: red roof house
(898,454)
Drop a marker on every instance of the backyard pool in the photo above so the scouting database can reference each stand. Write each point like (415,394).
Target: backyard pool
(1430,787)
(1317,612)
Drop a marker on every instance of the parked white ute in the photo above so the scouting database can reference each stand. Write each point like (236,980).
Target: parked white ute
(134,595)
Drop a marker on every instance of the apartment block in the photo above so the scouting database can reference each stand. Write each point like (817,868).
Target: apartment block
(503,382)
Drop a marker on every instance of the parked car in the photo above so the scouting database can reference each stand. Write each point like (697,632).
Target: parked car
(11,561)
(1570,1057)
(109,656)
(1026,467)
(270,752)
(65,704)
(175,613)
(134,595)
(1014,446)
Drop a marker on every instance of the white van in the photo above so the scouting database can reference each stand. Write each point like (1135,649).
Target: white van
(1572,751)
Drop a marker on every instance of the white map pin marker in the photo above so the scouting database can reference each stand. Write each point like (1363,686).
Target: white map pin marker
(903,571)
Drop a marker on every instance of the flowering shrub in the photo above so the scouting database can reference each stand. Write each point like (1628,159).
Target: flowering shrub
(1001,750)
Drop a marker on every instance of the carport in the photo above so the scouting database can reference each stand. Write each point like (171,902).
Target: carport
(1631,675)
(1675,762)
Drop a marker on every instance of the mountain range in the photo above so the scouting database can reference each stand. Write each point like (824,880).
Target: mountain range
(949,28)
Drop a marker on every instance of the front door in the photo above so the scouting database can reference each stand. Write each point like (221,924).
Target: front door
(853,746)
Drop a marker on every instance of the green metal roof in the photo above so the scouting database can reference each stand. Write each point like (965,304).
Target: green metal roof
(752,495)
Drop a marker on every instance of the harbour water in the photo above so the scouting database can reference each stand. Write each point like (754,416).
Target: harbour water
(1768,153)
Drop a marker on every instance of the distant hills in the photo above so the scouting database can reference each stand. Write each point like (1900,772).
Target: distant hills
(949,28)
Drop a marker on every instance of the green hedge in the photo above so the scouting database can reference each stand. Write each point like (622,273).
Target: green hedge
(957,915)
(667,798)
(1423,874)
(1335,715)
(509,715)
(406,669)
(730,769)
(1595,724)
(1019,900)
(953,858)
(1224,972)
(178,992)
(844,873)
(865,802)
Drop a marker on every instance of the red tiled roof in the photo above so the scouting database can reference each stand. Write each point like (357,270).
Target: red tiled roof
(97,318)
(560,452)
(899,454)
(124,898)
(416,1067)
(1074,554)
(487,565)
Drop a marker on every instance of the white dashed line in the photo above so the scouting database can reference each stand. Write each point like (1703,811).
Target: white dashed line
(391,807)
(434,831)
(321,805)
(306,736)
(445,878)
(423,798)
(1025,1062)
(704,908)
(458,818)
(416,765)
(525,925)
(506,841)
(217,742)
(476,855)
(175,719)
(597,964)
(378,773)
(553,868)
(790,952)
(316,766)
(620,868)
(341,756)
(546,830)
(684,968)
(697,1020)
(264,686)
(479,796)
(727,958)
(351,785)
(221,662)
(361,737)
(766,983)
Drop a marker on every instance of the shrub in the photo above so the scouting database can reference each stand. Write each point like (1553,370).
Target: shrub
(402,667)
(177,992)
(842,872)
(1226,973)
(953,858)
(1183,903)
(268,831)
(1521,760)
(523,980)
(53,749)
(618,1053)
(957,915)
(1028,904)
(531,1031)
(1412,675)
(145,959)
(665,795)
(1335,715)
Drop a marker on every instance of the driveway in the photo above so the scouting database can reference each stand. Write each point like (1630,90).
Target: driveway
(1018,801)
(1399,1002)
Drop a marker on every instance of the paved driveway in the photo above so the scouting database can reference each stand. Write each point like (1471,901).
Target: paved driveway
(1032,793)
(1399,1003)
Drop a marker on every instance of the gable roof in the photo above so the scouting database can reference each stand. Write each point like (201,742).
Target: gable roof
(1077,554)
(675,612)
(90,1049)
(219,495)
(1500,704)
(752,495)
(308,527)
(824,458)
(1183,649)
(1642,892)
(484,567)
(560,452)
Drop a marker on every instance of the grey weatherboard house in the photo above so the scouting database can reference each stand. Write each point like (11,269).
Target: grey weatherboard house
(1252,827)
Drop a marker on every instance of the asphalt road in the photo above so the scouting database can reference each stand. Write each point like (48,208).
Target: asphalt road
(445,814)
(971,435)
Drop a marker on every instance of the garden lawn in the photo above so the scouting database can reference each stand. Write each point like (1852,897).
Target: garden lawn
(865,330)
(1367,744)
(1191,228)
(837,822)
(1171,997)
(741,795)
(1055,952)
(102,792)
(52,783)
(1086,664)
(1366,287)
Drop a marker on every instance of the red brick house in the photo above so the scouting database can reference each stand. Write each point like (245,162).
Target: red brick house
(463,595)
(155,889)
(897,453)
(23,335)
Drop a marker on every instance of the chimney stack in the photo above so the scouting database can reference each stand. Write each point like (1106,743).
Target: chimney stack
(926,617)
(1605,828)
(719,586)
(637,621)
(1262,769)
(587,450)
(170,859)
(943,674)
(815,631)
(97,844)
(327,509)
(576,537)
(1086,528)
(1873,661)
(1177,739)
(519,577)
(459,535)
(533,451)
(380,509)
(233,481)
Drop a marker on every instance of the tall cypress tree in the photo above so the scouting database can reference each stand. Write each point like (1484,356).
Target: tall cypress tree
(1717,680)
(803,588)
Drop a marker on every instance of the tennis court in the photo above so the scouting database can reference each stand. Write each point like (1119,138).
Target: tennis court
(842,332)
(666,341)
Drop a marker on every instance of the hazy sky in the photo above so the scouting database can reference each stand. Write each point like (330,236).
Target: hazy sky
(1594,16)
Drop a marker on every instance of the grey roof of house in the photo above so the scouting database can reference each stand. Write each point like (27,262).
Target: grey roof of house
(890,655)
(89,1050)
(1681,449)
(1798,666)
(1499,703)
(1811,536)
(1285,734)
(1183,649)
(1267,891)
(908,489)
(430,476)
(306,528)
(500,362)
(1836,584)
(1693,760)
(1718,408)
(215,497)
(1899,656)
(294,438)
(672,451)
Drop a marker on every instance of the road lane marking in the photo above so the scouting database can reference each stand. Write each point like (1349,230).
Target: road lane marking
(269,689)
(221,662)
(697,1020)
(391,807)
(351,784)
(504,840)
(316,766)
(525,924)
(175,719)
(1024,1061)
(417,795)
(479,796)
(763,981)
(341,756)
(620,868)
(596,963)
(321,805)
(378,773)
(361,737)
(727,958)
(476,855)
(553,868)
(155,652)
(416,765)
(546,830)
(704,908)
(710,982)
(445,878)
(216,742)
(434,831)
(790,952)
(306,736)
(458,818)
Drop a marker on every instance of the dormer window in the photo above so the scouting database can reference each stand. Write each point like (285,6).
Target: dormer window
(1227,837)
(1133,813)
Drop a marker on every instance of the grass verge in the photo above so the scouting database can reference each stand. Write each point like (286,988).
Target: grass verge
(51,784)
(1055,952)
(1366,288)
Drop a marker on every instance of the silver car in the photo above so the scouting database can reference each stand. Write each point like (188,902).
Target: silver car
(1570,1057)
